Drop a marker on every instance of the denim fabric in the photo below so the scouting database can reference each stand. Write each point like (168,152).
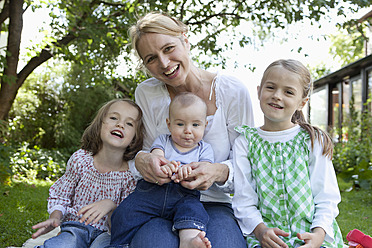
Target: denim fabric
(169,201)
(101,241)
(73,235)
(223,230)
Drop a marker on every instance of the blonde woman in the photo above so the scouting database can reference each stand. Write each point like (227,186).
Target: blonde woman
(163,48)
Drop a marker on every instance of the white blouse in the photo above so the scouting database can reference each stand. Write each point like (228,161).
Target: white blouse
(234,108)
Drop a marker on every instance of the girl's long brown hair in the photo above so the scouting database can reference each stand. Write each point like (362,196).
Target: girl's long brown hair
(91,139)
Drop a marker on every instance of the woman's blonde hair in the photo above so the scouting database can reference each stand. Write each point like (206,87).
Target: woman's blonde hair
(298,117)
(91,139)
(155,22)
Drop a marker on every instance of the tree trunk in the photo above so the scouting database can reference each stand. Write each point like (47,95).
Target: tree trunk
(13,81)
(9,85)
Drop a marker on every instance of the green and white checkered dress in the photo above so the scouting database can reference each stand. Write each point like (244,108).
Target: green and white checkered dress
(280,171)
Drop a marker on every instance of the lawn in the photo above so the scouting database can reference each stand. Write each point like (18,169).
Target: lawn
(24,204)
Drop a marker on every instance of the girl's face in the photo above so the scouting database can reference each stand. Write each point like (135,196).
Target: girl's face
(280,95)
(119,125)
(166,57)
(187,125)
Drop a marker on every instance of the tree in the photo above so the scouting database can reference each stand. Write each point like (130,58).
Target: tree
(347,46)
(94,32)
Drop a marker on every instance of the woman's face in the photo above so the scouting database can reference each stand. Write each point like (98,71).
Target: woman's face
(166,57)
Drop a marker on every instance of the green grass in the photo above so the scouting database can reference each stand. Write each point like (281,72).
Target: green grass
(355,210)
(24,204)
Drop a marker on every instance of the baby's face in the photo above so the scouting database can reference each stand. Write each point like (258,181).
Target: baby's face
(187,125)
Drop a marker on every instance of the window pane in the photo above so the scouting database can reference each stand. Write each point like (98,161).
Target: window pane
(357,92)
(318,110)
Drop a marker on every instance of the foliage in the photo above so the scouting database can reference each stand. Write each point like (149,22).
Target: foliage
(353,154)
(22,206)
(93,34)
(319,71)
(33,116)
(54,107)
(25,162)
(5,168)
(347,46)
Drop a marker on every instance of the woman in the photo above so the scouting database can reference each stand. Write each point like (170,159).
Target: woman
(161,43)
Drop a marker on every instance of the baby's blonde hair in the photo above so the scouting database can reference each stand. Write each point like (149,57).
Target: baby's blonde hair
(186,99)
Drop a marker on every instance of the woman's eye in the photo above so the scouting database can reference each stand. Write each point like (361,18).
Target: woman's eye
(290,92)
(149,60)
(130,124)
(169,48)
(113,118)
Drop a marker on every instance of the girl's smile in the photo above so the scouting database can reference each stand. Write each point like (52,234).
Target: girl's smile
(280,95)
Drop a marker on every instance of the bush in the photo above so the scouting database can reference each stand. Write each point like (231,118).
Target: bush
(353,155)
(29,163)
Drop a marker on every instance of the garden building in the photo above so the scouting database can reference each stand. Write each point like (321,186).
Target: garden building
(329,102)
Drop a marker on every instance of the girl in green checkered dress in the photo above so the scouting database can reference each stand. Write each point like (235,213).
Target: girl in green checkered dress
(286,192)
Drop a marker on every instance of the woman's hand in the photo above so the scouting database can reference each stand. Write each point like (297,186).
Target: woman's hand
(92,213)
(48,225)
(314,239)
(269,237)
(148,164)
(203,175)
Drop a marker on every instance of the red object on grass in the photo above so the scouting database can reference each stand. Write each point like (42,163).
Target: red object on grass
(360,238)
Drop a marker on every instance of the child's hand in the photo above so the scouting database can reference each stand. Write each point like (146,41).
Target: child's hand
(92,213)
(170,168)
(45,226)
(269,237)
(313,239)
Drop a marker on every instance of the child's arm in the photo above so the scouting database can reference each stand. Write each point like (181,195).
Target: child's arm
(48,225)
(245,200)
(269,237)
(324,187)
(92,213)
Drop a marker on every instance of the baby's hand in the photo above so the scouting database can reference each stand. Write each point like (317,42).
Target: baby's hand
(170,168)
(183,173)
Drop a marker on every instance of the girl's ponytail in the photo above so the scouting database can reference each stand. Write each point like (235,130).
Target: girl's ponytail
(315,133)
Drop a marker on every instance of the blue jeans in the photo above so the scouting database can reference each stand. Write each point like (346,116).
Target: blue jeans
(223,230)
(76,235)
(170,201)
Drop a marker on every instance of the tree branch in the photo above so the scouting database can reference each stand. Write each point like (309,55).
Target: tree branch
(4,12)
(42,57)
